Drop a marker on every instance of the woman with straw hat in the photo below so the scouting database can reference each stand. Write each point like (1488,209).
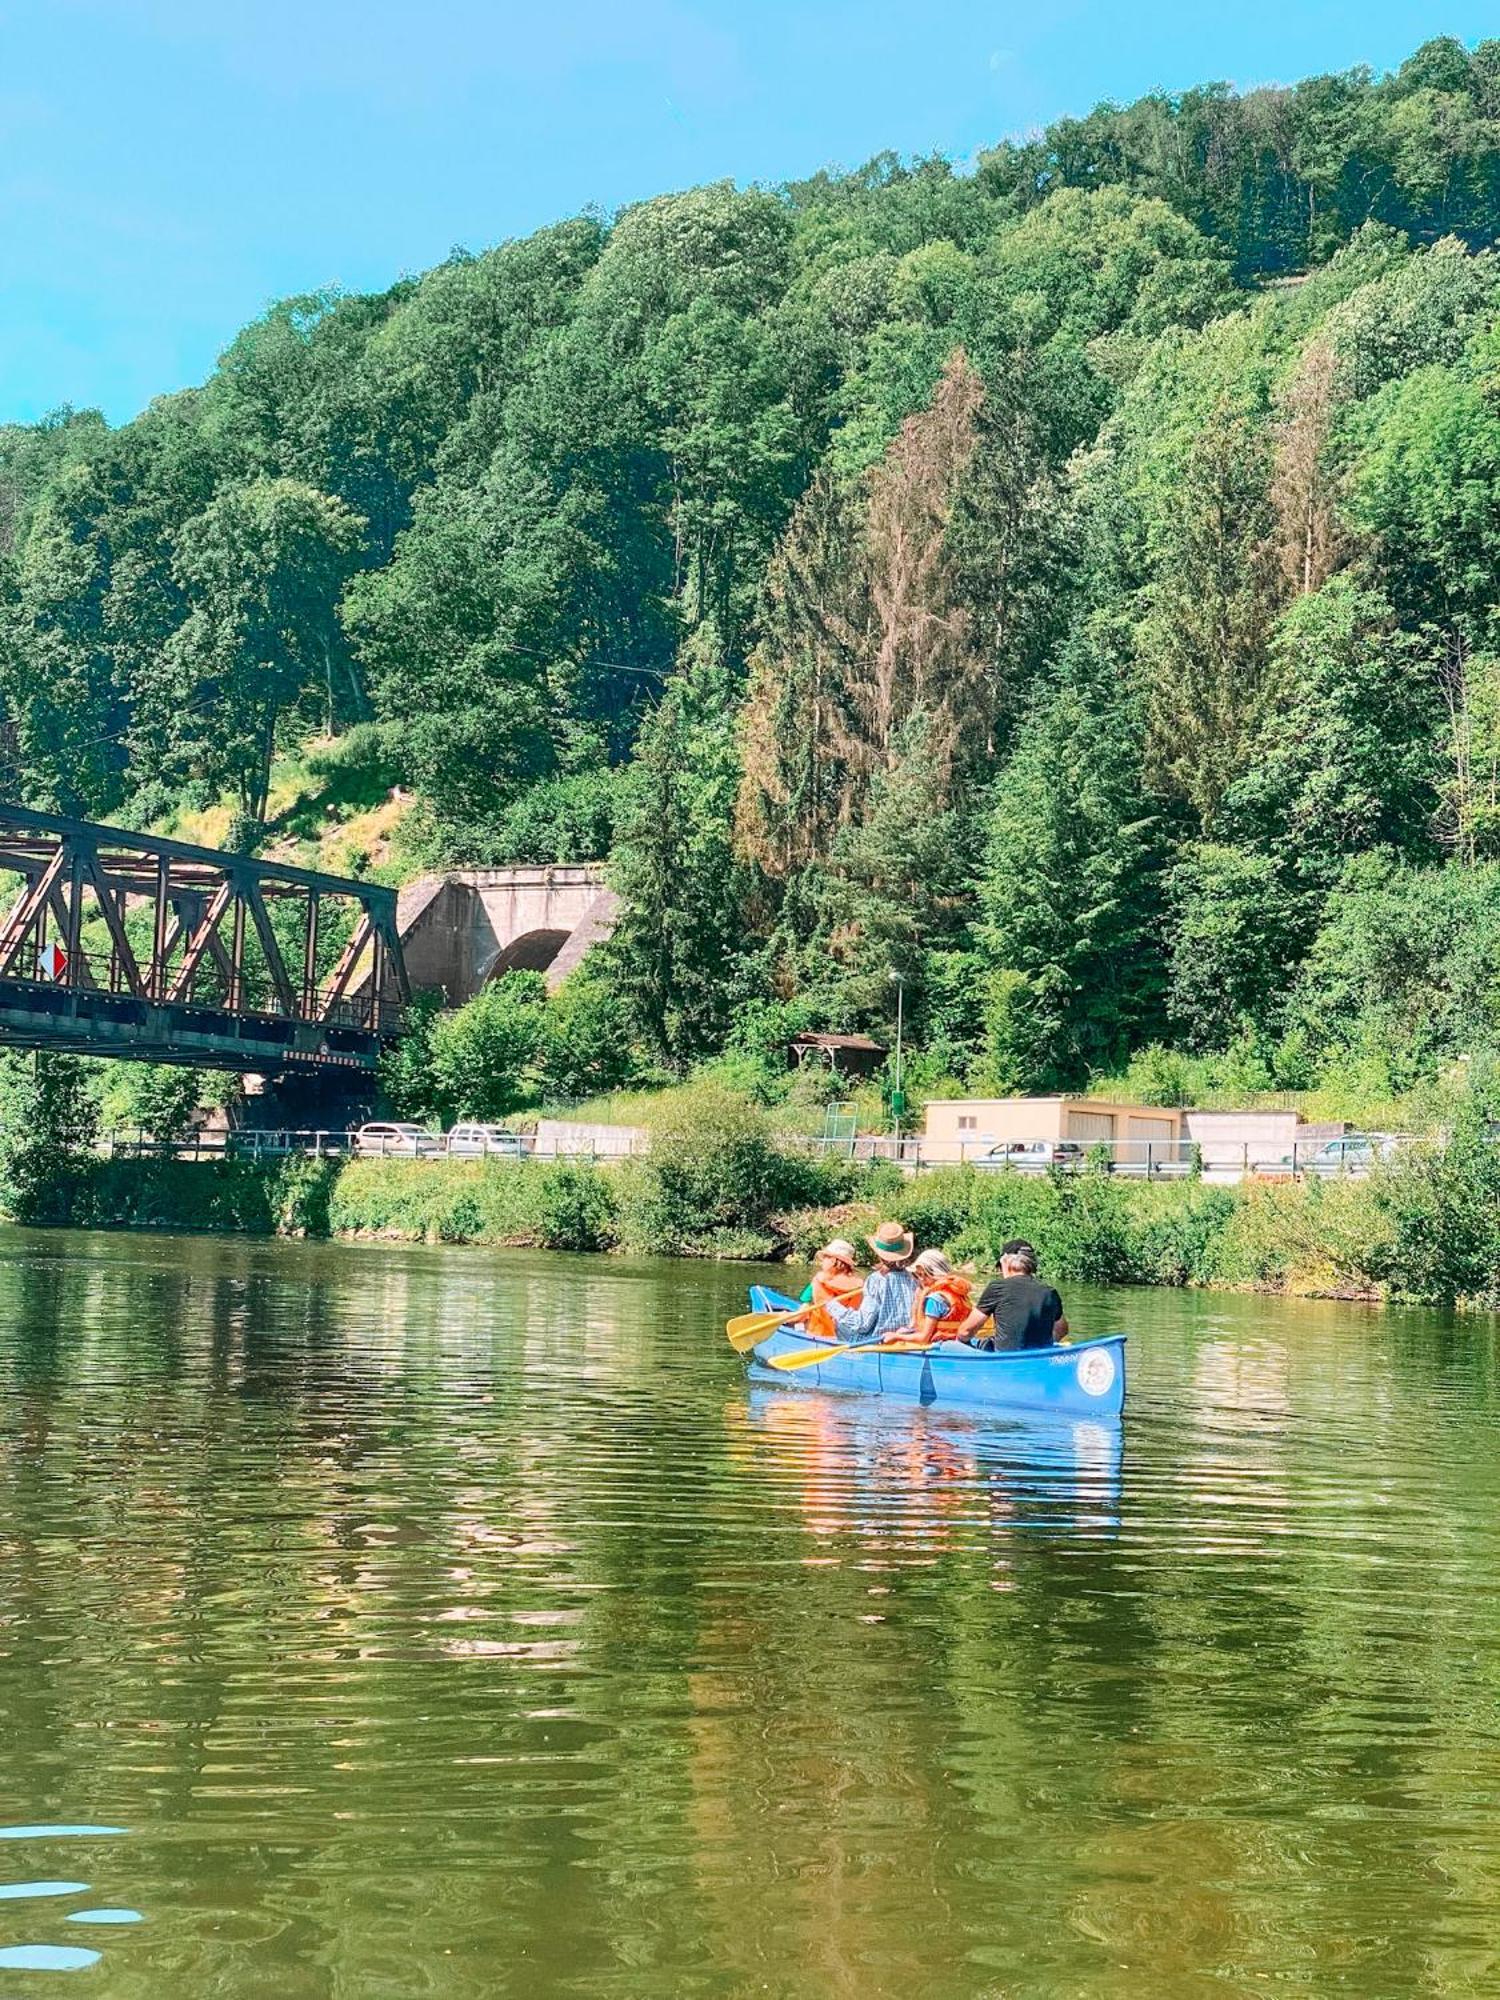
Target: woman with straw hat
(890,1291)
(834,1279)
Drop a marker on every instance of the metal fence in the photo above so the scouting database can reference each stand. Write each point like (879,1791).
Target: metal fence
(1126,1159)
(1138,1159)
(118,1143)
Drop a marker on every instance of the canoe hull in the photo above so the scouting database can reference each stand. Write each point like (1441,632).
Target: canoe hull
(1085,1379)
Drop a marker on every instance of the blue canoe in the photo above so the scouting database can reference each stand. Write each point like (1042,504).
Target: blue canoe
(1086,1379)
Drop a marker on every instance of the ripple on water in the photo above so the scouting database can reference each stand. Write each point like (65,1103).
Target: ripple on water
(11,1892)
(105,1917)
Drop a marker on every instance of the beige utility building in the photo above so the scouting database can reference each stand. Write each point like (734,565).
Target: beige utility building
(963,1128)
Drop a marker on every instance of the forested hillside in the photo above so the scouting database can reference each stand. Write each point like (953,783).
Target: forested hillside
(1069,585)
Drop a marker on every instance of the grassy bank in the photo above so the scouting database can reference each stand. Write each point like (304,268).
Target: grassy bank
(1427,1229)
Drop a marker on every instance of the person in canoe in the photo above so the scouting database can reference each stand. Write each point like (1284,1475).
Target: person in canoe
(834,1278)
(1015,1308)
(890,1291)
(944,1301)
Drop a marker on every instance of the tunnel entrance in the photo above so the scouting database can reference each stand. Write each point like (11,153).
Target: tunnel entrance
(533,951)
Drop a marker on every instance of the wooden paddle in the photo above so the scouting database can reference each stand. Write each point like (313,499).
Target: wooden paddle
(789,1361)
(751,1328)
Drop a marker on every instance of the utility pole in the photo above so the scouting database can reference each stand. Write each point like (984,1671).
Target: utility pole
(898,1097)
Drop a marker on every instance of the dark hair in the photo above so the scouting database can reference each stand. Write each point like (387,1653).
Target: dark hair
(1020,1252)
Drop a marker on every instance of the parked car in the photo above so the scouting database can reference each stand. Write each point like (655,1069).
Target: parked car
(470,1140)
(1354,1153)
(396,1142)
(1032,1156)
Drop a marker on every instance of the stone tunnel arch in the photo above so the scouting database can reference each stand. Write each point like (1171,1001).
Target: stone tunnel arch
(461,930)
(533,951)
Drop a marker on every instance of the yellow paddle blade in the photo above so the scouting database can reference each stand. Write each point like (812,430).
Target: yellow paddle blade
(786,1362)
(751,1328)
(806,1358)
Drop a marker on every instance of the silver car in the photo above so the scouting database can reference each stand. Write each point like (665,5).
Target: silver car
(1354,1153)
(473,1141)
(393,1141)
(1032,1156)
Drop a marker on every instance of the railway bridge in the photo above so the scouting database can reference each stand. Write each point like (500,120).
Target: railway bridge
(127,944)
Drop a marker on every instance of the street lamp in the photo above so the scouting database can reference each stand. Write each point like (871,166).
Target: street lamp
(898,1097)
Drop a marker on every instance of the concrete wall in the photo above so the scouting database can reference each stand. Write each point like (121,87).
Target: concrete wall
(1233,1142)
(1231,1138)
(563,1136)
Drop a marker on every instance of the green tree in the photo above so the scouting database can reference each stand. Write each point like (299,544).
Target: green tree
(263,567)
(1071,896)
(49,1125)
(586,1046)
(162,1099)
(678,954)
(896,892)
(1206,638)
(1230,926)
(483,1055)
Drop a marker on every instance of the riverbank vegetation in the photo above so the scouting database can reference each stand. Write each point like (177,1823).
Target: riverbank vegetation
(1061,594)
(1424,1226)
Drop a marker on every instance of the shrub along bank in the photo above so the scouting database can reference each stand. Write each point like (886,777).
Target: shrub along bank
(1426,1227)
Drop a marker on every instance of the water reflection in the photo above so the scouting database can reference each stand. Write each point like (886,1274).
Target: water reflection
(461,1624)
(925,1478)
(51,1957)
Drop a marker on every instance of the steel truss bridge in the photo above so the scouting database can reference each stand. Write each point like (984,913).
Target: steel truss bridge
(125,944)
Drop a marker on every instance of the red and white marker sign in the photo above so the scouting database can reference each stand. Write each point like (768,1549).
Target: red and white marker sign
(52,961)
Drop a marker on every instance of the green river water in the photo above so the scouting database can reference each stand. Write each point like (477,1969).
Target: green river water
(461,1623)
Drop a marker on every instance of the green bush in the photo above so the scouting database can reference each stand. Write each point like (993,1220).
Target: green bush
(362,766)
(576,1210)
(560,819)
(303,1190)
(1442,1205)
(230,1197)
(481,1055)
(553,1206)
(439,1201)
(711,1167)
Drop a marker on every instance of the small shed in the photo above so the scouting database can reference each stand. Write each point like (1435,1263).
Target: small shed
(845,1055)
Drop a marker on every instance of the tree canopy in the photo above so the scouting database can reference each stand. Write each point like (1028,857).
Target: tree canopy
(1068,586)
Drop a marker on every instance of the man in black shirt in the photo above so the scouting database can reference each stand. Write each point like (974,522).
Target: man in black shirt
(1025,1314)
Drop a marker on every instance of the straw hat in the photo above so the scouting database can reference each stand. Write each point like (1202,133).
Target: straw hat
(841,1248)
(891,1243)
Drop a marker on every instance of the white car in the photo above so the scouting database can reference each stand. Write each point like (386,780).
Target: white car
(1032,1156)
(407,1142)
(1355,1153)
(474,1141)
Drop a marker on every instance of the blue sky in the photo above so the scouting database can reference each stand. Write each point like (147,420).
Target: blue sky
(170,166)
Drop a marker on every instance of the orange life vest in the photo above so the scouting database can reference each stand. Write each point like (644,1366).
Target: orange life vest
(846,1291)
(957,1295)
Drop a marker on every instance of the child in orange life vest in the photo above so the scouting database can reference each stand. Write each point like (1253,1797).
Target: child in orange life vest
(834,1277)
(944,1302)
